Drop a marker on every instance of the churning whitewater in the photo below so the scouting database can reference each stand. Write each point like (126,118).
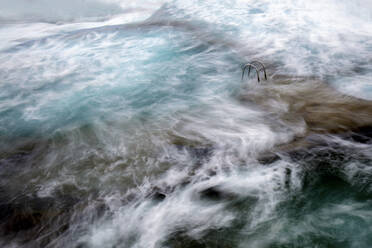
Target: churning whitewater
(127,124)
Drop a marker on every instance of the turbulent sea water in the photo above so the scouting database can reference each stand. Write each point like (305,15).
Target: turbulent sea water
(126,124)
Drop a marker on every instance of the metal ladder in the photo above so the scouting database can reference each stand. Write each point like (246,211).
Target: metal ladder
(257,65)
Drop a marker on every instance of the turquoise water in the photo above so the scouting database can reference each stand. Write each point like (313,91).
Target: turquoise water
(121,125)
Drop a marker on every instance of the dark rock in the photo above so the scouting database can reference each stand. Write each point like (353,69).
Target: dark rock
(268,158)
(158,196)
(158,193)
(34,221)
(215,193)
(361,135)
(25,213)
(198,153)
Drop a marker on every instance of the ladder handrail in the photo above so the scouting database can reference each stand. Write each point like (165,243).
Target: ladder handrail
(249,70)
(254,65)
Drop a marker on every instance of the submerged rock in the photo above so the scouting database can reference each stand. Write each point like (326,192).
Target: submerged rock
(361,135)
(214,193)
(322,108)
(314,107)
(34,220)
(25,213)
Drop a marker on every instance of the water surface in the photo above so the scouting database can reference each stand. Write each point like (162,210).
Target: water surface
(121,125)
